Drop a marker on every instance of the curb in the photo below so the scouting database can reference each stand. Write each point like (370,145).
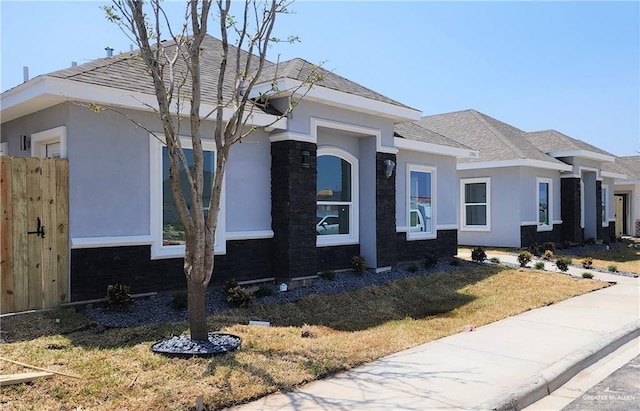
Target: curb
(561,371)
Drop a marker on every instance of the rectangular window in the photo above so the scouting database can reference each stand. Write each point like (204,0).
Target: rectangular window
(544,204)
(172,228)
(167,231)
(475,194)
(603,202)
(421,205)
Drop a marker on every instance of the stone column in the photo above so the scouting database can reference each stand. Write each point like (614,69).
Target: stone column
(385,212)
(571,208)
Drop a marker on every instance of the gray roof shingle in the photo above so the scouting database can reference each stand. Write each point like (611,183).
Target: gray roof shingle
(412,131)
(493,139)
(127,72)
(630,166)
(553,141)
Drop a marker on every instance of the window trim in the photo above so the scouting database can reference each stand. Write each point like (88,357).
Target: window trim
(41,139)
(158,250)
(605,211)
(463,204)
(354,212)
(549,182)
(421,235)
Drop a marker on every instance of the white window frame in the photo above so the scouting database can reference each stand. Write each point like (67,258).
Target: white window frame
(421,235)
(549,182)
(463,204)
(158,249)
(582,217)
(605,211)
(40,141)
(354,215)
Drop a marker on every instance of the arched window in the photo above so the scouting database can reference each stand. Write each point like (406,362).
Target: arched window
(336,197)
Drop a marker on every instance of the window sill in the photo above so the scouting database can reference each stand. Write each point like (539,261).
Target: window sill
(545,228)
(417,236)
(479,228)
(176,251)
(329,241)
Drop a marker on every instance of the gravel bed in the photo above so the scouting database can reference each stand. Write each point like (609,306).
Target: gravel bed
(181,345)
(158,309)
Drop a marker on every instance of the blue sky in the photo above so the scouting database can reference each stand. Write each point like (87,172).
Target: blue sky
(569,66)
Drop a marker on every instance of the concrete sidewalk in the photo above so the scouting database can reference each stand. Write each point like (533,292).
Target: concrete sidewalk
(508,364)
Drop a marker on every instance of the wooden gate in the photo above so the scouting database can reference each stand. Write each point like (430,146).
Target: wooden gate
(34,233)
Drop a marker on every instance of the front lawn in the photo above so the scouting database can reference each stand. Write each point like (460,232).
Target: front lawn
(309,339)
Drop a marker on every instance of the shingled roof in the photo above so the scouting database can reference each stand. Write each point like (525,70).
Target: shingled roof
(301,70)
(495,140)
(550,141)
(629,166)
(412,131)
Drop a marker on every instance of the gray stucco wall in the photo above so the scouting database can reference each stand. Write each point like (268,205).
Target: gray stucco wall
(528,189)
(505,209)
(109,171)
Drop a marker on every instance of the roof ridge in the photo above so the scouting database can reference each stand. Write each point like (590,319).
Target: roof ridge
(498,134)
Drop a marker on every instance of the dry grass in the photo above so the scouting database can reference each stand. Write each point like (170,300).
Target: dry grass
(625,258)
(312,338)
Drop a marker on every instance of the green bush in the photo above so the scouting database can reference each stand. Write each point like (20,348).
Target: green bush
(535,249)
(548,255)
(613,268)
(587,275)
(264,290)
(239,297)
(180,301)
(524,258)
(118,298)
(413,268)
(563,263)
(495,260)
(328,275)
(566,244)
(478,254)
(549,246)
(358,264)
(587,262)
(539,265)
(431,260)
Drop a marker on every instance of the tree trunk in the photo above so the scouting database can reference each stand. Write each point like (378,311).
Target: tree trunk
(197,310)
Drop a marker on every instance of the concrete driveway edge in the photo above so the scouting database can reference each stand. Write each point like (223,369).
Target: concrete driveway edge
(562,371)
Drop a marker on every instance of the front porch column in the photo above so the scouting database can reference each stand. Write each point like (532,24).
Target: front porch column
(571,209)
(385,212)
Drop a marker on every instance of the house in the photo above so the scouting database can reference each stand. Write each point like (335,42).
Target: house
(345,155)
(627,196)
(527,188)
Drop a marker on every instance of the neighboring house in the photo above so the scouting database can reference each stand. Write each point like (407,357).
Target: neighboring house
(345,153)
(527,188)
(510,194)
(627,196)
(587,190)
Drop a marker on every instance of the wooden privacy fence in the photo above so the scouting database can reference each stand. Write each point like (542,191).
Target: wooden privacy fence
(34,233)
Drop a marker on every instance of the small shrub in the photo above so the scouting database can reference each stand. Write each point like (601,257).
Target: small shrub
(413,268)
(264,290)
(478,254)
(548,255)
(455,261)
(328,275)
(539,265)
(119,298)
(587,262)
(180,301)
(549,246)
(587,275)
(535,249)
(358,264)
(230,284)
(524,258)
(239,297)
(495,260)
(563,263)
(590,241)
(566,244)
(612,268)
(430,260)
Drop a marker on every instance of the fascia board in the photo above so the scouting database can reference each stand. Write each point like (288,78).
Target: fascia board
(336,98)
(590,155)
(52,90)
(424,147)
(611,174)
(514,163)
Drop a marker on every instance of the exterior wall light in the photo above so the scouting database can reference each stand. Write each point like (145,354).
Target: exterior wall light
(389,165)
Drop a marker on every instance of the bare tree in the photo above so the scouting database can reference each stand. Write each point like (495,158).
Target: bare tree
(176,69)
